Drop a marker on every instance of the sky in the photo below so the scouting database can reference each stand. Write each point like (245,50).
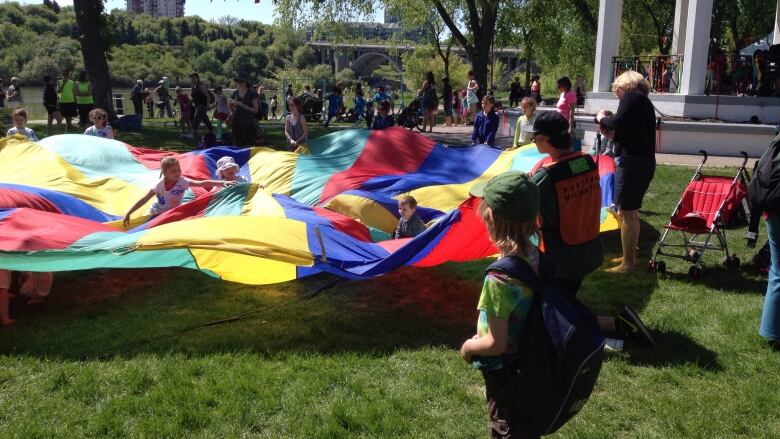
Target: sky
(209,10)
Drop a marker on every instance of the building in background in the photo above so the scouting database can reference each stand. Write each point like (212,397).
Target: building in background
(157,8)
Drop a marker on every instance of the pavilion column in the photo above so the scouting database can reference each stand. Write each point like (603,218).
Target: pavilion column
(697,44)
(680,23)
(776,37)
(607,43)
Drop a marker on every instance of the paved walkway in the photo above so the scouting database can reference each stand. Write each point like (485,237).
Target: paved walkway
(461,136)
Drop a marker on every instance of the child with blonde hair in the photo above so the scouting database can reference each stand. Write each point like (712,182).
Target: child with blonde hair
(170,189)
(100,127)
(528,105)
(509,208)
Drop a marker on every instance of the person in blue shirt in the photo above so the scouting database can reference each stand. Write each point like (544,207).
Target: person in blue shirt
(383,119)
(335,105)
(486,123)
(360,105)
(381,96)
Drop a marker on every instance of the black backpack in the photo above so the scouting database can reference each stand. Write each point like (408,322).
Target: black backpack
(560,353)
(763,189)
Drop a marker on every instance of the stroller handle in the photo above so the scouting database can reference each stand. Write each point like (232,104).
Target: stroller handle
(704,153)
(744,158)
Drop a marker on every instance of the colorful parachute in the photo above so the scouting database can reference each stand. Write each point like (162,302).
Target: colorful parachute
(62,199)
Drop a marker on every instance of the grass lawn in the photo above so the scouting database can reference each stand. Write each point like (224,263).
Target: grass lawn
(127,353)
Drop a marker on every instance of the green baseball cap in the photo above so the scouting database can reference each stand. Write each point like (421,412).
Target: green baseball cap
(511,195)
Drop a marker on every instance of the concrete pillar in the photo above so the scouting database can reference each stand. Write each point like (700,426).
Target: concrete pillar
(680,23)
(776,36)
(341,61)
(607,43)
(697,44)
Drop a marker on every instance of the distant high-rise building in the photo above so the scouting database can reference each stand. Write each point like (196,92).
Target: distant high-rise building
(157,8)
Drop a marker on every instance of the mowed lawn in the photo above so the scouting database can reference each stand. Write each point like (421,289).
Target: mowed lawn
(175,353)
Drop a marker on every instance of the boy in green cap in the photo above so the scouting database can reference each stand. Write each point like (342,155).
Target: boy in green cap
(509,209)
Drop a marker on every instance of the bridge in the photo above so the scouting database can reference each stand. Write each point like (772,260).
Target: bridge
(364,58)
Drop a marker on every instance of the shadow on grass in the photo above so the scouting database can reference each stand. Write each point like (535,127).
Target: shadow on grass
(606,293)
(674,349)
(106,313)
(721,278)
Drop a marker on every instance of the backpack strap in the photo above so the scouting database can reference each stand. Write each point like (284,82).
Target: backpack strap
(518,268)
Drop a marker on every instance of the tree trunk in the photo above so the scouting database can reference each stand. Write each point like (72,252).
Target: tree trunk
(93,48)
(481,55)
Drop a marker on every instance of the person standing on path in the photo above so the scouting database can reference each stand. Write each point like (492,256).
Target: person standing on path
(472,87)
(84,101)
(446,96)
(429,102)
(137,97)
(634,128)
(51,103)
(65,90)
(515,93)
(201,101)
(13,96)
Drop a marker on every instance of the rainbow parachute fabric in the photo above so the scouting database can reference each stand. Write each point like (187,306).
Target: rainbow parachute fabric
(62,199)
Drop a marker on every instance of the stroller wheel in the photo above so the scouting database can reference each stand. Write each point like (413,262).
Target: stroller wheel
(695,272)
(660,267)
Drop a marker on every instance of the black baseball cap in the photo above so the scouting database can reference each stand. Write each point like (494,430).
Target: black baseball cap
(550,123)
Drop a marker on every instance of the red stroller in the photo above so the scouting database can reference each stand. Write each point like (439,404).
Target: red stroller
(709,206)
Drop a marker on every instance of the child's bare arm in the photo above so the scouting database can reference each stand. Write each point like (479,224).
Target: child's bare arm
(137,205)
(494,343)
(210,183)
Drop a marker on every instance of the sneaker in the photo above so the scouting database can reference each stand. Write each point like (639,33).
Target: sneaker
(630,325)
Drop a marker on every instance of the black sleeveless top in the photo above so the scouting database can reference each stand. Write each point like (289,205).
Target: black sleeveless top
(198,97)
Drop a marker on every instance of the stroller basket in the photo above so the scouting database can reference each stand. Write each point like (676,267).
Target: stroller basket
(707,208)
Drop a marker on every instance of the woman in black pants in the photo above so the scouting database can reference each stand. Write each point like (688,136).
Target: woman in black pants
(634,128)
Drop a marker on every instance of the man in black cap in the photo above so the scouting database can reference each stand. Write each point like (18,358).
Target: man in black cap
(570,212)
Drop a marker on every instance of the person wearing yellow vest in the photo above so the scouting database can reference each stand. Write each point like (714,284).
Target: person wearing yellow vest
(84,101)
(65,89)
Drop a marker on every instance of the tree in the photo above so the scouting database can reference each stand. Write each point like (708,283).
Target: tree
(303,57)
(415,16)
(247,62)
(94,39)
(741,22)
(475,35)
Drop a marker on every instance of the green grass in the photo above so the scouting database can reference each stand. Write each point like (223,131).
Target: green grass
(124,353)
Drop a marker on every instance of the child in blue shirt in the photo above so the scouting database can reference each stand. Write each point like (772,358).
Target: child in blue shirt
(360,106)
(383,119)
(486,123)
(335,104)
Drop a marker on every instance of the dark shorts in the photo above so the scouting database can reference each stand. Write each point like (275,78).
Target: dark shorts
(633,175)
(68,109)
(51,109)
(505,410)
(84,110)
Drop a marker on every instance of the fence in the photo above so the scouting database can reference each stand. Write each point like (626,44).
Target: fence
(664,72)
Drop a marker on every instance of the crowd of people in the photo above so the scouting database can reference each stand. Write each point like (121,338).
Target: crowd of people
(518,209)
